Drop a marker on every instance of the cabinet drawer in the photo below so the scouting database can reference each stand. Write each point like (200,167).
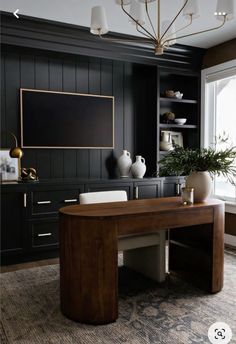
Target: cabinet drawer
(44,234)
(48,202)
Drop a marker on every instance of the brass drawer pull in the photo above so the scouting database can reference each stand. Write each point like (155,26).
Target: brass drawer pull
(136,192)
(25,200)
(44,234)
(70,200)
(44,202)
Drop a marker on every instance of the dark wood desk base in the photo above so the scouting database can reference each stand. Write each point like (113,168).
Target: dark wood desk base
(88,249)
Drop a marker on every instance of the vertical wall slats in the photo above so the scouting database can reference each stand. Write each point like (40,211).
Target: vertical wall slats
(69,74)
(95,88)
(3,142)
(69,85)
(82,86)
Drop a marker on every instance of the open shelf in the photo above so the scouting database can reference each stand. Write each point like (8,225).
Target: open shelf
(175,100)
(181,126)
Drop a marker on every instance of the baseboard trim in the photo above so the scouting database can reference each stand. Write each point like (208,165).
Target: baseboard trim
(230,240)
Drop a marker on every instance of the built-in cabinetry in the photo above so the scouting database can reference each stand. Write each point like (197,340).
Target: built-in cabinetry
(29,212)
(188,107)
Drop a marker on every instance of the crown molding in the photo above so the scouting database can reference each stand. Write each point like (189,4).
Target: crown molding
(29,32)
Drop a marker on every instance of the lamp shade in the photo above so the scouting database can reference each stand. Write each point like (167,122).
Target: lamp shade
(170,34)
(125,2)
(137,12)
(98,21)
(225,7)
(191,9)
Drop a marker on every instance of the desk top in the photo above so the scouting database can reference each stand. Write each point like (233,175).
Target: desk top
(134,207)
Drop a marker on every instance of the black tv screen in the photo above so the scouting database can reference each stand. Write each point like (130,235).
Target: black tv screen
(66,120)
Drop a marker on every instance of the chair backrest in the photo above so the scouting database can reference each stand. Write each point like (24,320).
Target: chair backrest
(103,197)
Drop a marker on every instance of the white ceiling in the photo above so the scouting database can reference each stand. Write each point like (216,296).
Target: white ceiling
(78,12)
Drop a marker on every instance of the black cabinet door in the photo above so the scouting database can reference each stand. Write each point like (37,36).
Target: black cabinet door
(172,186)
(13,223)
(147,189)
(43,234)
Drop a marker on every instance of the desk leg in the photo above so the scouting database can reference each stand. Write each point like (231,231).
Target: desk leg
(197,253)
(218,249)
(88,270)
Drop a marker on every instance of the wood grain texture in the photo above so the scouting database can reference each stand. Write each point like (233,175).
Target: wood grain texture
(218,248)
(88,270)
(230,224)
(219,54)
(88,249)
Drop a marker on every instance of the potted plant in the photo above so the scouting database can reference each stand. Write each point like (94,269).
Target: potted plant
(200,165)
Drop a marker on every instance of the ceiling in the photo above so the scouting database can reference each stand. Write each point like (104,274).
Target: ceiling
(78,12)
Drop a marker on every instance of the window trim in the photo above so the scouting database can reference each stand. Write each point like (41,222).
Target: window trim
(218,69)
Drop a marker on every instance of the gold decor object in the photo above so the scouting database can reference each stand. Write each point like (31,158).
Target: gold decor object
(15,152)
(168,117)
(163,34)
(28,174)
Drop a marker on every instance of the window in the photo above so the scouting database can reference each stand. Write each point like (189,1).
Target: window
(219,115)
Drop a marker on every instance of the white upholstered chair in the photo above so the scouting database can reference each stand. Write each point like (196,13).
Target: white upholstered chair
(143,253)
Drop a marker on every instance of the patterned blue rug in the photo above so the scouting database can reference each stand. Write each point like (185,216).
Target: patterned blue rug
(148,313)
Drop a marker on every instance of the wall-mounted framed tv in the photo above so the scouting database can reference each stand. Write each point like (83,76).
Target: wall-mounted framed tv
(64,120)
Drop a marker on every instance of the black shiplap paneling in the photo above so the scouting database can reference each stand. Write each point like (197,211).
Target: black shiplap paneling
(12,84)
(82,86)
(118,83)
(32,69)
(128,124)
(69,85)
(3,142)
(95,88)
(41,73)
(28,80)
(107,161)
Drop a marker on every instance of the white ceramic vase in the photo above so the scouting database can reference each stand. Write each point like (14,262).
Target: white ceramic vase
(124,164)
(138,168)
(202,183)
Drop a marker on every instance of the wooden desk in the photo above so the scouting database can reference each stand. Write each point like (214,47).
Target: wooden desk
(88,249)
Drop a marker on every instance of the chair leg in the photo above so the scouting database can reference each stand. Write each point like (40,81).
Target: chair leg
(149,261)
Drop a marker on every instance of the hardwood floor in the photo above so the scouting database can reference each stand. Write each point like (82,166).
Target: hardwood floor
(28,265)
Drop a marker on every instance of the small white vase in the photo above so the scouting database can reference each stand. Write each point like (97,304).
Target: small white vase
(202,184)
(124,164)
(138,169)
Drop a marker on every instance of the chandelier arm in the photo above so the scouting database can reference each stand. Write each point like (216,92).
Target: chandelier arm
(143,33)
(172,22)
(149,18)
(184,27)
(196,33)
(129,15)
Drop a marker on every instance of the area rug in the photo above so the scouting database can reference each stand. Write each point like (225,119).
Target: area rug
(148,313)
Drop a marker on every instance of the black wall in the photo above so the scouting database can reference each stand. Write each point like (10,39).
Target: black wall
(41,70)
(47,55)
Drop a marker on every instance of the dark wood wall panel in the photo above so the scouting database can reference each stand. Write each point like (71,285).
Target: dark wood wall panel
(37,70)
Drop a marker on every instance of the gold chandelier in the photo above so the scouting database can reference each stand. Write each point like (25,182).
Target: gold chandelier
(164,35)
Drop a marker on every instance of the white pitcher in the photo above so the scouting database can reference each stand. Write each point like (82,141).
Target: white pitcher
(124,164)
(138,169)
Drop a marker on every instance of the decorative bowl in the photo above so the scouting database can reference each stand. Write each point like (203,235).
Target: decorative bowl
(180,121)
(178,95)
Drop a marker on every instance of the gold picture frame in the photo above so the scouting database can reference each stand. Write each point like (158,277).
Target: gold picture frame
(9,167)
(22,90)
